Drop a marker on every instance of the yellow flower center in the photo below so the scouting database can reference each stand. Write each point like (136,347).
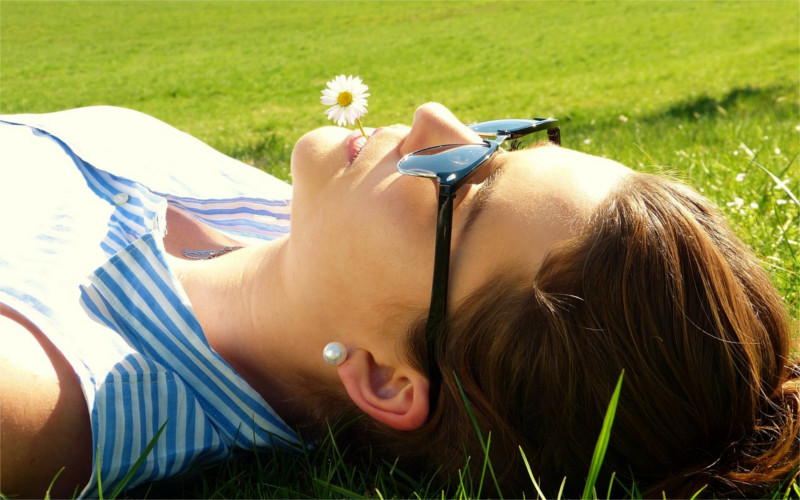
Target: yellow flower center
(345,99)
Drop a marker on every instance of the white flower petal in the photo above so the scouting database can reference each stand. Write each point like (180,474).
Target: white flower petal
(357,108)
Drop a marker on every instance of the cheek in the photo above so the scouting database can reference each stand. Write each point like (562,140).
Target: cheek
(399,229)
(407,211)
(389,236)
(367,234)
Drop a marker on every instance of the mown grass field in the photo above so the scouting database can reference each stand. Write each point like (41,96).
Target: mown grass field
(707,91)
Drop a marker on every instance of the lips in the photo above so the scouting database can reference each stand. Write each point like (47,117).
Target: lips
(356,142)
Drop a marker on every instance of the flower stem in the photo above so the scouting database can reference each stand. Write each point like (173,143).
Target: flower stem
(358,122)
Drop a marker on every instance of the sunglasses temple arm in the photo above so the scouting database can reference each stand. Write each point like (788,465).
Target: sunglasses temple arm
(441,272)
(441,262)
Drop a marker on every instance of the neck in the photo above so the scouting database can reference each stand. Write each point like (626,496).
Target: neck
(254,318)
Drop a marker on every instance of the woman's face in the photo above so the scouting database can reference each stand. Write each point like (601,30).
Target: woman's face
(363,234)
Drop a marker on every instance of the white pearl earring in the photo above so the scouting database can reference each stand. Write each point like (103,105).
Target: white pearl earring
(334,353)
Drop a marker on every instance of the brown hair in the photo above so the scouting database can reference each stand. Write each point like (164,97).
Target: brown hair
(657,285)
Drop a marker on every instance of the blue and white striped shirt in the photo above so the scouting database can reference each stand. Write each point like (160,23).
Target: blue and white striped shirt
(83,201)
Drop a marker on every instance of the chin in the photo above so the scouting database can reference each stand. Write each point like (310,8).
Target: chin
(318,154)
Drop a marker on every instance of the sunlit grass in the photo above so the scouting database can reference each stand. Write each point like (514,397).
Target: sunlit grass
(232,73)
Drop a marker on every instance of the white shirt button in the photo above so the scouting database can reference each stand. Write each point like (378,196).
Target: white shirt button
(120,198)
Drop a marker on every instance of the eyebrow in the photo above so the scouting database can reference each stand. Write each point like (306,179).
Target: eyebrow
(482,197)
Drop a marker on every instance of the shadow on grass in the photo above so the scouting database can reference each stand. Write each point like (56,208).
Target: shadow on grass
(705,105)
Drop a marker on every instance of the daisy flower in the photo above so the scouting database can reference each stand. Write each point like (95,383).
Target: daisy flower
(347,98)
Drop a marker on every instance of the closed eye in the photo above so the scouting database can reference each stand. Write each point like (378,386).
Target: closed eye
(482,198)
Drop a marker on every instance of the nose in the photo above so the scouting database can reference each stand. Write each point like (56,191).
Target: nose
(434,124)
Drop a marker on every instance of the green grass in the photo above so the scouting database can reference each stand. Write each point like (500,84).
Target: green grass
(707,91)
(232,73)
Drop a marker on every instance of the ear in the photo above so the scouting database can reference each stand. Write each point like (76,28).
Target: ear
(395,396)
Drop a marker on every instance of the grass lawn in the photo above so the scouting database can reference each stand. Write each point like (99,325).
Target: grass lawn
(707,91)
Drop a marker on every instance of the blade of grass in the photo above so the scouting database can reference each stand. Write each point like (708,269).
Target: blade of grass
(631,491)
(347,493)
(602,441)
(461,487)
(485,462)
(49,488)
(530,474)
(480,436)
(697,494)
(778,183)
(792,483)
(99,481)
(611,484)
(132,471)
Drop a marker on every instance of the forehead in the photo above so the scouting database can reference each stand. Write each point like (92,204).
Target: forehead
(542,196)
(554,184)
(559,175)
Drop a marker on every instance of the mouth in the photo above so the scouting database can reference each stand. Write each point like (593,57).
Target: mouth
(356,142)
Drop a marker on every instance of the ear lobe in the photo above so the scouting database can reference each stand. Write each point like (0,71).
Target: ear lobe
(397,397)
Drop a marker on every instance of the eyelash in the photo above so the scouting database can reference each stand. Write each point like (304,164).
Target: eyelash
(518,144)
(486,193)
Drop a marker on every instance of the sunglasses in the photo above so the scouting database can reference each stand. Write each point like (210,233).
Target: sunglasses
(452,165)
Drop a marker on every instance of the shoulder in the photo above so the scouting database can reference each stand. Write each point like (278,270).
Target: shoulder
(43,412)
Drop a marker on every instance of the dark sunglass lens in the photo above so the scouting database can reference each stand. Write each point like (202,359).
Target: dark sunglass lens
(450,163)
(435,150)
(464,156)
(448,157)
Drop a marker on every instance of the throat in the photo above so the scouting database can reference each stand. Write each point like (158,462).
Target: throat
(239,301)
(239,297)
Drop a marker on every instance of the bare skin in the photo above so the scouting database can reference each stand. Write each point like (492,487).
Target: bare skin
(44,415)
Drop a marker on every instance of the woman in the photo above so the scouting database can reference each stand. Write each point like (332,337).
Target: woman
(565,269)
